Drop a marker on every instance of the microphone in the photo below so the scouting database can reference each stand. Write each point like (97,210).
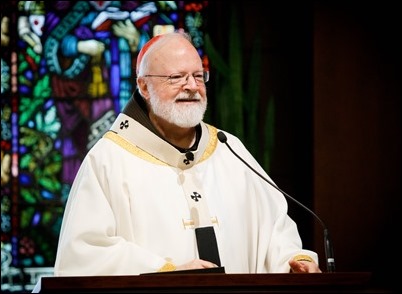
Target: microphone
(329,254)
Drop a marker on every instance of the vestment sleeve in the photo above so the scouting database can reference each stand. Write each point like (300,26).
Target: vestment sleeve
(89,242)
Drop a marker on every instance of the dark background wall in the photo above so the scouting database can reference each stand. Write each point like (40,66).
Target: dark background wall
(334,70)
(357,133)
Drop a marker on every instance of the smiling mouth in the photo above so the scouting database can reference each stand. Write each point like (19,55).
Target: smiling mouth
(186,100)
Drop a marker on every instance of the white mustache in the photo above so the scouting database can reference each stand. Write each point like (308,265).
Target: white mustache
(196,97)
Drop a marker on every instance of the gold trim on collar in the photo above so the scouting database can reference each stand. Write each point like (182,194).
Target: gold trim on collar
(133,149)
(213,141)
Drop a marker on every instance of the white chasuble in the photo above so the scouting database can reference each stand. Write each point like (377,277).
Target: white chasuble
(129,209)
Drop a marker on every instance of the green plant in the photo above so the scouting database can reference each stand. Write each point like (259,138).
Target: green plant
(238,94)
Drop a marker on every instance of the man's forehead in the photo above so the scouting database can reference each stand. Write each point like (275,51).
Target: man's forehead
(144,49)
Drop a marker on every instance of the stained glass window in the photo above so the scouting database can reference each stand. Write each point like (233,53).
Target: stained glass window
(67,69)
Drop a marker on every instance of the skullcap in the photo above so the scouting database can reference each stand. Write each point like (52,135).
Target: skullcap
(144,49)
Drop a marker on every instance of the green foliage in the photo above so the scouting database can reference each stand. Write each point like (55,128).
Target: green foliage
(237,93)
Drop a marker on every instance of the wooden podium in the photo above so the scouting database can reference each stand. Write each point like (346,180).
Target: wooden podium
(342,282)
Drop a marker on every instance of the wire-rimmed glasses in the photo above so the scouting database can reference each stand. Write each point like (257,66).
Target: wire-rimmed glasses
(181,79)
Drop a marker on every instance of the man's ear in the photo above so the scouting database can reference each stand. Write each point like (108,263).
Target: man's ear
(143,87)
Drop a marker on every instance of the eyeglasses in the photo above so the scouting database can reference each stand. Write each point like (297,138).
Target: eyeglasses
(182,79)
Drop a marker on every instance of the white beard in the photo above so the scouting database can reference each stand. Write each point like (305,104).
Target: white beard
(180,114)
